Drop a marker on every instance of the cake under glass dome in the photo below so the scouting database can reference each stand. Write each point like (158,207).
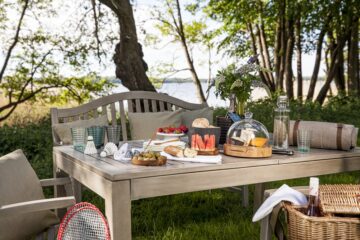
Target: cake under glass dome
(248,138)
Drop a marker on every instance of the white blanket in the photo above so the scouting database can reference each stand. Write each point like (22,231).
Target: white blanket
(284,193)
(198,159)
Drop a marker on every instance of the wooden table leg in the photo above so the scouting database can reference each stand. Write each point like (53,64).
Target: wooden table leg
(118,210)
(258,195)
(59,190)
(245,195)
(77,190)
(265,230)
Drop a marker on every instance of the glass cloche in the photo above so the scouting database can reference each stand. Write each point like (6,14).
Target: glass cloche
(248,138)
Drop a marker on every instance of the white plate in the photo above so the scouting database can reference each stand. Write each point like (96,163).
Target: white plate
(170,135)
(159,148)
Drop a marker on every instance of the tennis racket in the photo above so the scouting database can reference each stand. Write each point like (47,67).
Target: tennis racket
(83,221)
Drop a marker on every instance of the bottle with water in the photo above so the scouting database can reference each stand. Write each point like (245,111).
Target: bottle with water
(281,124)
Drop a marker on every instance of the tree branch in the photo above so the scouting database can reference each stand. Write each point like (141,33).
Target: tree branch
(13,105)
(16,39)
(96,32)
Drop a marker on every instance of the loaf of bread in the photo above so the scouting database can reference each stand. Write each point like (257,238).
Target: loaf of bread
(190,153)
(201,123)
(174,151)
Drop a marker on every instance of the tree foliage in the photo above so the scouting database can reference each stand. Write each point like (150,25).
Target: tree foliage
(36,59)
(274,29)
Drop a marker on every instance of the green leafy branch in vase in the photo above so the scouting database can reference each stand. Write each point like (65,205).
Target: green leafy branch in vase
(239,82)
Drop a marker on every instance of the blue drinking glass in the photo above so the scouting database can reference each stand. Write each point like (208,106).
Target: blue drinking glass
(98,134)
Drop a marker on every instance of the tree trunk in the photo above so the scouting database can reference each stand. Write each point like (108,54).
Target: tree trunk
(180,29)
(277,58)
(353,60)
(339,75)
(316,69)
(332,70)
(282,52)
(298,57)
(199,92)
(253,45)
(130,66)
(288,60)
(262,56)
(264,47)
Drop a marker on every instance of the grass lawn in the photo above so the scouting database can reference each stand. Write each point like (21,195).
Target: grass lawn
(215,214)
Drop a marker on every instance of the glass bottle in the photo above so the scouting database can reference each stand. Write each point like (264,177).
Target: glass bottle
(281,124)
(313,209)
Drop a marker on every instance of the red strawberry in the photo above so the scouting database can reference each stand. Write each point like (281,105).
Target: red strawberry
(171,129)
(160,130)
(183,128)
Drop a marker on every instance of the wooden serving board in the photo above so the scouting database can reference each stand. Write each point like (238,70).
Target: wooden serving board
(208,153)
(247,152)
(155,162)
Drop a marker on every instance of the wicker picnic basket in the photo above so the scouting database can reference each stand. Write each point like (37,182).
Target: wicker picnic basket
(330,226)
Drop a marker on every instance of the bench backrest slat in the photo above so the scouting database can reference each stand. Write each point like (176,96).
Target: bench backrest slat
(137,101)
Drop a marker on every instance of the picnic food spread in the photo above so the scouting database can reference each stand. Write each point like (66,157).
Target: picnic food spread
(199,144)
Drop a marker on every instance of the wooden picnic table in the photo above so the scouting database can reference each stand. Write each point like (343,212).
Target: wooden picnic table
(121,182)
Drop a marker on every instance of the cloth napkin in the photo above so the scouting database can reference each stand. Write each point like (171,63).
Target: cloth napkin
(198,159)
(284,193)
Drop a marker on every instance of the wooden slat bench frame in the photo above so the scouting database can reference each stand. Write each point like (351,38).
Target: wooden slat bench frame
(136,101)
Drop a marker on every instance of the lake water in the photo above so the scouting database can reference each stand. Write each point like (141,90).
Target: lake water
(186,91)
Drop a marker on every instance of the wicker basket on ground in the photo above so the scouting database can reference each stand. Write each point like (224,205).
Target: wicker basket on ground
(303,227)
(339,205)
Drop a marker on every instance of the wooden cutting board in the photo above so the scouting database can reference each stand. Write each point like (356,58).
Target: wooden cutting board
(247,152)
(208,153)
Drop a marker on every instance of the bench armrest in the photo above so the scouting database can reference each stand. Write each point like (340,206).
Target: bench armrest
(35,206)
(55,181)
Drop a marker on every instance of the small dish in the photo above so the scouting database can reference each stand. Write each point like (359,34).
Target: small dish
(170,135)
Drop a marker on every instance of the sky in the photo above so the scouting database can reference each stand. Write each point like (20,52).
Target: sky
(168,53)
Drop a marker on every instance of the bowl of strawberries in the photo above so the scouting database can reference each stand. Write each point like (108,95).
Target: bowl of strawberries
(172,131)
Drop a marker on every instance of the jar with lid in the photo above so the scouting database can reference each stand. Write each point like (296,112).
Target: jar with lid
(281,124)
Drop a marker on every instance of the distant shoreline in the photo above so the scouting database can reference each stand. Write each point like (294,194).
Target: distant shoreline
(189,80)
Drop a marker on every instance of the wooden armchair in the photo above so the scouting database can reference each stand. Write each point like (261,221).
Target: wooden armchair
(41,205)
(24,211)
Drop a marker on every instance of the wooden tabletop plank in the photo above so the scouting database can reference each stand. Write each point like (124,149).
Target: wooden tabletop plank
(116,170)
(319,154)
(198,181)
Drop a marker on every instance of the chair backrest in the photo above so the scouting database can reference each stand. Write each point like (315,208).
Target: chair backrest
(114,106)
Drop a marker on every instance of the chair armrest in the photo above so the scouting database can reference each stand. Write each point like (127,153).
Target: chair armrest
(54,181)
(35,206)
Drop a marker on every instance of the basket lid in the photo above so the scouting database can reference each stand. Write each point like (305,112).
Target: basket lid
(340,198)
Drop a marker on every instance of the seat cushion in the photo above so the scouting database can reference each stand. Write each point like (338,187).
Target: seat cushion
(19,183)
(187,117)
(62,131)
(144,125)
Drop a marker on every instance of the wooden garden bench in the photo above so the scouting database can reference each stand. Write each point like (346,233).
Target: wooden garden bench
(114,107)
